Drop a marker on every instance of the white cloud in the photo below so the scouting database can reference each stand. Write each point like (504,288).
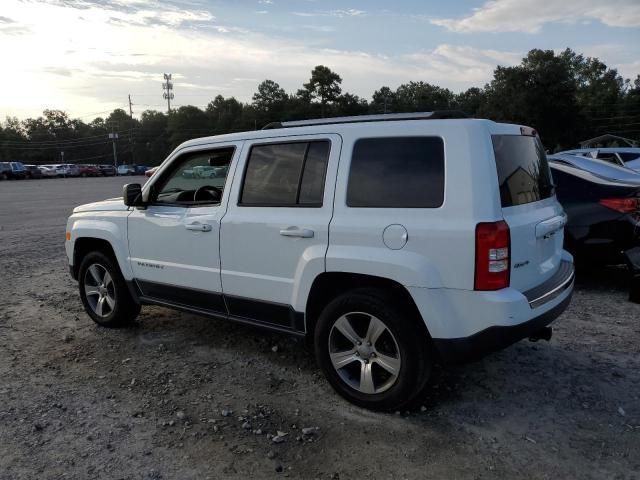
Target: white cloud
(624,58)
(350,12)
(76,60)
(530,15)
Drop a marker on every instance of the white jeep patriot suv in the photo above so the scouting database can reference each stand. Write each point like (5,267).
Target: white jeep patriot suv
(392,241)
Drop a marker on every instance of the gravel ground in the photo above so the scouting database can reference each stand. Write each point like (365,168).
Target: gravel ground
(180,397)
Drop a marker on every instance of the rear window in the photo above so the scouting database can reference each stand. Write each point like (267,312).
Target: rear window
(398,172)
(523,171)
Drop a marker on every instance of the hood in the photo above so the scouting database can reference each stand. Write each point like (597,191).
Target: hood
(109,205)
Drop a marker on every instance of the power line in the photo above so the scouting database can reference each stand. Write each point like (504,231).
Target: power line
(62,142)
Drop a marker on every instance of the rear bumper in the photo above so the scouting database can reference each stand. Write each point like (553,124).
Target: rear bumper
(458,350)
(467,324)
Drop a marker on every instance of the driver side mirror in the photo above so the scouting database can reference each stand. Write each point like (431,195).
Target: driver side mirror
(132,195)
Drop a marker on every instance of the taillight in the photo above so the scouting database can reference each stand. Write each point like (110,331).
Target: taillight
(493,252)
(622,205)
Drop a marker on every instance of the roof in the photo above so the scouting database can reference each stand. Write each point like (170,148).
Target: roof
(606,137)
(382,117)
(292,128)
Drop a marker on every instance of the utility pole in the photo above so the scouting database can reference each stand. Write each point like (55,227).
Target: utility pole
(168,94)
(114,136)
(133,160)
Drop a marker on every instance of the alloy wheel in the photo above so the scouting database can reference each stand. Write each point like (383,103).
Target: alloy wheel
(99,290)
(364,352)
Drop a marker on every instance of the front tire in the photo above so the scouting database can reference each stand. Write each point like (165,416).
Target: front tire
(373,353)
(104,292)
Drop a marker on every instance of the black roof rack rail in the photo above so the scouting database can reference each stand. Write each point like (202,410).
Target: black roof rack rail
(383,117)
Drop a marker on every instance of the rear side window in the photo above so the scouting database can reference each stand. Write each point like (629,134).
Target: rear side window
(397,172)
(286,174)
(627,157)
(523,171)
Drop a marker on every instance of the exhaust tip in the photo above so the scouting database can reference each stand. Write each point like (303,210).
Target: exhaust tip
(544,333)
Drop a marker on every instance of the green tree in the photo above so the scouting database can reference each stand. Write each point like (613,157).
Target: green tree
(384,101)
(324,86)
(349,104)
(185,123)
(471,101)
(541,93)
(422,97)
(269,97)
(151,144)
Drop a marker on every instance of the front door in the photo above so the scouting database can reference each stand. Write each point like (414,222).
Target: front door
(174,242)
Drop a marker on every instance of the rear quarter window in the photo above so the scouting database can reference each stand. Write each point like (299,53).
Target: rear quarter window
(523,170)
(397,172)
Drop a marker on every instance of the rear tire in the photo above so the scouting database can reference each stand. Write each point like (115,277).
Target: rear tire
(372,351)
(104,292)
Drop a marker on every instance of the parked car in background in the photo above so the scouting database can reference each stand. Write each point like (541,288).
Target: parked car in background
(126,170)
(88,171)
(60,169)
(73,170)
(598,167)
(48,171)
(140,169)
(624,156)
(12,171)
(32,171)
(151,171)
(5,170)
(107,170)
(603,225)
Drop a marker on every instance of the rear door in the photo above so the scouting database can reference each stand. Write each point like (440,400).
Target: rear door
(274,236)
(536,220)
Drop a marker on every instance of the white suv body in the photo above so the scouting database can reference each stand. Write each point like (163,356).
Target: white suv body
(398,205)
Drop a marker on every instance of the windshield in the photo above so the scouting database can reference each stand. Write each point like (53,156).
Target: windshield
(523,171)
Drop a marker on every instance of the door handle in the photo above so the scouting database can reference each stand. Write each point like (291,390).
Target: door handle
(297,232)
(550,227)
(198,227)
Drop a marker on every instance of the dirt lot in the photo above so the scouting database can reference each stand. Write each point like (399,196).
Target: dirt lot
(181,397)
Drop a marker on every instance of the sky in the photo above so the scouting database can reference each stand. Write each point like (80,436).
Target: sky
(86,56)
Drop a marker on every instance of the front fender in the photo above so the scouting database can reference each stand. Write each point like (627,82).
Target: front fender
(108,226)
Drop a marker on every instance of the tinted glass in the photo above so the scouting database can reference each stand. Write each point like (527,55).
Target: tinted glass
(523,171)
(627,157)
(397,172)
(192,172)
(608,157)
(274,174)
(315,169)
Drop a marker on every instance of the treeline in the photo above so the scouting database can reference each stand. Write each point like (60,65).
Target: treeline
(567,97)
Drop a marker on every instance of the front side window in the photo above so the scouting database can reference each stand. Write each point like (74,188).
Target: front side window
(397,172)
(195,179)
(608,157)
(286,174)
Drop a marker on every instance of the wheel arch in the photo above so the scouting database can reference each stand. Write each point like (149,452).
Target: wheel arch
(329,285)
(83,245)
